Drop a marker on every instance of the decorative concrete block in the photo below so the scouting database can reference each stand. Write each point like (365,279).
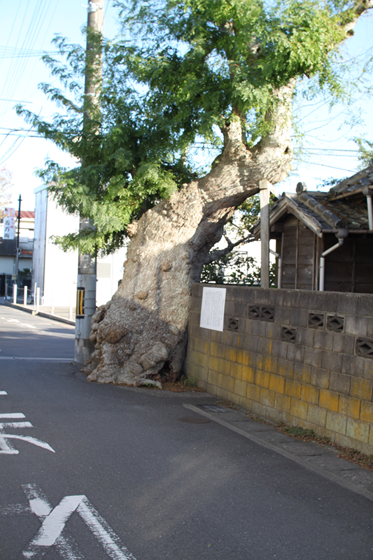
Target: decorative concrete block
(336,422)
(332,361)
(349,406)
(320,377)
(302,372)
(340,383)
(361,389)
(277,383)
(357,430)
(285,368)
(329,400)
(316,415)
(299,409)
(310,394)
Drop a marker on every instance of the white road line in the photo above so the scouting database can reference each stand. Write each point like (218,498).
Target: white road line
(13,321)
(3,393)
(27,325)
(12,415)
(28,439)
(15,425)
(54,523)
(40,359)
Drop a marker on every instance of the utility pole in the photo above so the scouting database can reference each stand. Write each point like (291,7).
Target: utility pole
(86,285)
(264,188)
(17,247)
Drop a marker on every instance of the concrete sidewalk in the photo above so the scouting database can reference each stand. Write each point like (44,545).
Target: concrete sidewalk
(316,457)
(61,313)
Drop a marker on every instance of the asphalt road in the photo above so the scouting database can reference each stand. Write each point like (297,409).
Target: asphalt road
(124,478)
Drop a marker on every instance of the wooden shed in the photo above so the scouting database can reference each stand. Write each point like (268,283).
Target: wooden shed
(308,224)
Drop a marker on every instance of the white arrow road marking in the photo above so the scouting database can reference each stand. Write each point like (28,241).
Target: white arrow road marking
(54,523)
(6,448)
(3,393)
(29,439)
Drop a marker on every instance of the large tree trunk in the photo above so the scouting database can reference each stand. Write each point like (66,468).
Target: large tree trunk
(144,326)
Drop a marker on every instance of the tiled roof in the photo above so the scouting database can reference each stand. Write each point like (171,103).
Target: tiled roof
(26,214)
(344,206)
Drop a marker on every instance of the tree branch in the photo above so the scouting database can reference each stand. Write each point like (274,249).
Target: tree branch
(215,255)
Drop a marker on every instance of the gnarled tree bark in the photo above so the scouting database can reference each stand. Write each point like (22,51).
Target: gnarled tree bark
(145,324)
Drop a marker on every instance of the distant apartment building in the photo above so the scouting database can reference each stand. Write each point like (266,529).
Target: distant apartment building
(55,271)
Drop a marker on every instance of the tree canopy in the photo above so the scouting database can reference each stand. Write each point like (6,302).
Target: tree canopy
(178,72)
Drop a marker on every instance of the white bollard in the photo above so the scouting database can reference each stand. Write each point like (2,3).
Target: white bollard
(70,308)
(14,293)
(37,299)
(52,303)
(25,295)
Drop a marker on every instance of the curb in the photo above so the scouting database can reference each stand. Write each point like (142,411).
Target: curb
(39,313)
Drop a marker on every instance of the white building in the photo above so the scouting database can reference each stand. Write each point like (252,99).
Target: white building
(54,271)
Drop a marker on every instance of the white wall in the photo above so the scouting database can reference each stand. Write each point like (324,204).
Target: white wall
(56,271)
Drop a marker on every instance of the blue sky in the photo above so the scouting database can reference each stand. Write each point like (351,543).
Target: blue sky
(28,27)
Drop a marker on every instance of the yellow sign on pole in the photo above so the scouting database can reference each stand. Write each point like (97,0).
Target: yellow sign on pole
(80,303)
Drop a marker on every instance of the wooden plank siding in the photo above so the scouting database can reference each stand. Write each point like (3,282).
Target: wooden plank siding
(298,255)
(350,268)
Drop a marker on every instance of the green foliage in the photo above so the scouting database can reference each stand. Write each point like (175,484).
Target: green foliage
(365,152)
(180,71)
(236,268)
